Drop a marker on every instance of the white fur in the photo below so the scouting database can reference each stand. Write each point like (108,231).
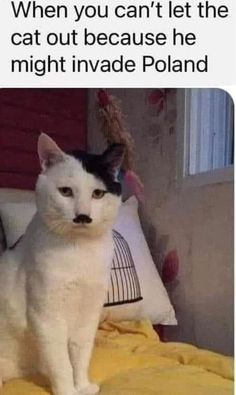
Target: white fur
(53,284)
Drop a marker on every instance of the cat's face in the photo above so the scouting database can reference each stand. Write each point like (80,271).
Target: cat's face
(78,193)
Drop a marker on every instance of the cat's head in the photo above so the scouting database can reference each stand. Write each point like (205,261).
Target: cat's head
(78,193)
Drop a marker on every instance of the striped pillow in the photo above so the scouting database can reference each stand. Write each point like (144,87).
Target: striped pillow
(124,283)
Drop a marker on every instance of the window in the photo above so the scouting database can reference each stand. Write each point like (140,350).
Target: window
(206,135)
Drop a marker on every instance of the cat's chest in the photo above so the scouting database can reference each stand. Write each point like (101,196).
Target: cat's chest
(74,265)
(65,280)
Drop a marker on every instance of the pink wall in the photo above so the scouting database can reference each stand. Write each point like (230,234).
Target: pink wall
(197,222)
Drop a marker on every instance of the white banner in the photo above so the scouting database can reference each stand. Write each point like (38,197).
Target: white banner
(113,43)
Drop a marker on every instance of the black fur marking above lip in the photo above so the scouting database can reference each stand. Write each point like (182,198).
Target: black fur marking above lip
(95,165)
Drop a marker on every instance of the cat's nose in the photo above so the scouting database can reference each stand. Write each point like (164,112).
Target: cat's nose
(82,219)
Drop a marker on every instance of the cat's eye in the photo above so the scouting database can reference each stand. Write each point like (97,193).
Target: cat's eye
(98,193)
(66,191)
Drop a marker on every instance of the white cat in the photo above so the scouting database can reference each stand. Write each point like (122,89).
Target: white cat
(53,283)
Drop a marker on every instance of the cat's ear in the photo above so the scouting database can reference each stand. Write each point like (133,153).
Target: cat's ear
(114,156)
(48,151)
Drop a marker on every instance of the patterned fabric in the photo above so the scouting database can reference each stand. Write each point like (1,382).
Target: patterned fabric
(124,282)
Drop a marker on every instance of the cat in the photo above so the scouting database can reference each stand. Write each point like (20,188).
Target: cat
(53,283)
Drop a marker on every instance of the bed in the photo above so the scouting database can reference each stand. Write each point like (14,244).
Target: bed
(129,358)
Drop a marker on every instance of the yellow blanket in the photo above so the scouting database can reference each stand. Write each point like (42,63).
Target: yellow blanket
(129,359)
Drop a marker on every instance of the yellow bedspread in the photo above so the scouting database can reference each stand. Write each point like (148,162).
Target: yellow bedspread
(129,359)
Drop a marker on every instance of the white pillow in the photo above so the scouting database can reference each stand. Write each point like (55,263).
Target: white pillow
(155,304)
(15,218)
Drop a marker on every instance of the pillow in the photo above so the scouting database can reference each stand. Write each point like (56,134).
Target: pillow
(124,282)
(136,290)
(15,218)
(2,238)
(155,303)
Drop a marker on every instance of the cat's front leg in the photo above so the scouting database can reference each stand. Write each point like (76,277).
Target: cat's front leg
(52,342)
(80,348)
(83,336)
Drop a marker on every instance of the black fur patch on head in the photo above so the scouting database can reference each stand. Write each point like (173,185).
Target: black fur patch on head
(100,168)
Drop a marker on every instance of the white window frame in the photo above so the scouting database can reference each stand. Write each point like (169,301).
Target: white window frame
(215,176)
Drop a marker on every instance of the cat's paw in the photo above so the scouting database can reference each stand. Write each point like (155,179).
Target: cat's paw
(90,389)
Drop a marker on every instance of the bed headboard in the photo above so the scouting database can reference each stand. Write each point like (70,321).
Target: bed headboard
(24,113)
